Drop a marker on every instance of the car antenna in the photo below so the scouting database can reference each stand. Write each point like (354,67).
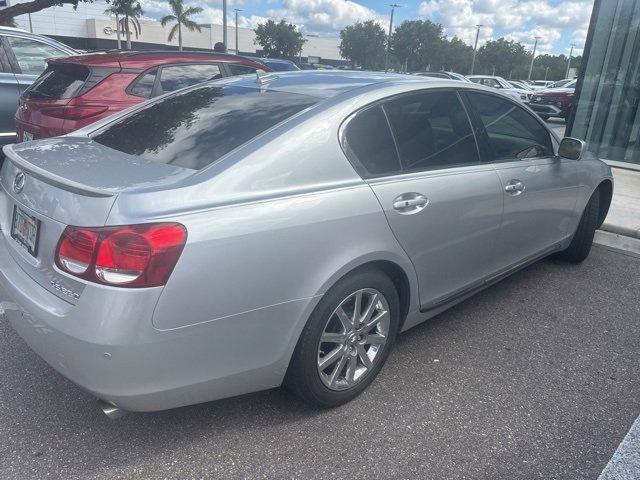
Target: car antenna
(262,77)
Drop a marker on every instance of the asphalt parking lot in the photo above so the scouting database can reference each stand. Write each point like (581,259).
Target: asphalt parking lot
(536,377)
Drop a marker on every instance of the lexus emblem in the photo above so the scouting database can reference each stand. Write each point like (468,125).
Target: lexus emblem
(18,182)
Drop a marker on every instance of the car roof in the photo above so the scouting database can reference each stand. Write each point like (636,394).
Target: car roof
(151,58)
(268,59)
(329,83)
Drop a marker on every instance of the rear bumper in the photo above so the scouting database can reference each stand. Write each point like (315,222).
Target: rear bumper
(107,345)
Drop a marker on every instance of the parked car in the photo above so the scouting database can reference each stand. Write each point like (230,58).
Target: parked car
(554,102)
(79,90)
(23,58)
(501,84)
(316,66)
(242,234)
(448,75)
(541,84)
(277,64)
(521,85)
(562,83)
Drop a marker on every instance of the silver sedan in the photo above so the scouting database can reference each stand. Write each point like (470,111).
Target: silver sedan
(280,229)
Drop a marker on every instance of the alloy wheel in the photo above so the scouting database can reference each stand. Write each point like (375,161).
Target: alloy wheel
(353,339)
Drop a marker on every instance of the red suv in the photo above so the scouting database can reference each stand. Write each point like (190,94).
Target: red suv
(76,91)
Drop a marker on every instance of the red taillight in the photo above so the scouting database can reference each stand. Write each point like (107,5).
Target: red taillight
(129,256)
(72,112)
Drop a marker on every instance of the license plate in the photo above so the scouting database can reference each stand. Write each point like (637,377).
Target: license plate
(25,229)
(27,136)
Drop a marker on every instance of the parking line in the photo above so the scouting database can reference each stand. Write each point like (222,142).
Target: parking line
(625,463)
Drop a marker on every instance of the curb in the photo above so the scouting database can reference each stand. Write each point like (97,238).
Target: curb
(617,242)
(621,230)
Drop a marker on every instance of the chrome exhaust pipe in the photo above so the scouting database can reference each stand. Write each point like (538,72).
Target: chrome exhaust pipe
(112,411)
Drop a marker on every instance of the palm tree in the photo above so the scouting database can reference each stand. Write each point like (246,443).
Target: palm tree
(129,10)
(114,10)
(181,17)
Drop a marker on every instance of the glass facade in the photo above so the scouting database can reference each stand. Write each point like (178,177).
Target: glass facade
(608,92)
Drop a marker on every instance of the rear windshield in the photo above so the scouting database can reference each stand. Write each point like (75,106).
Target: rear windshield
(195,128)
(59,81)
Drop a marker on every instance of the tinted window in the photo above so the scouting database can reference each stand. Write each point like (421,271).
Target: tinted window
(237,69)
(143,87)
(280,66)
(31,54)
(59,81)
(195,128)
(511,130)
(369,144)
(432,130)
(180,76)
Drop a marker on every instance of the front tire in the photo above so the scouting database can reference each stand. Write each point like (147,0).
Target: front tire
(346,340)
(580,246)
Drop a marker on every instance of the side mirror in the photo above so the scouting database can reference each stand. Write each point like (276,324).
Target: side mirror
(571,148)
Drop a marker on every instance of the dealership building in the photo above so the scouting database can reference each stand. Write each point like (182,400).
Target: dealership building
(88,28)
(607,112)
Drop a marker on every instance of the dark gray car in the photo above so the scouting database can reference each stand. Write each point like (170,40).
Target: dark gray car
(22,59)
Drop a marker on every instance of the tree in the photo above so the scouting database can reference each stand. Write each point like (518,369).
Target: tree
(279,39)
(8,14)
(181,17)
(130,10)
(419,44)
(114,11)
(503,57)
(363,44)
(457,56)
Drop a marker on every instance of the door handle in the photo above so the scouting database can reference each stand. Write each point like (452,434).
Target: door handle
(410,203)
(514,187)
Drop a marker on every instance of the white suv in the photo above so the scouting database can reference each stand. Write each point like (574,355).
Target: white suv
(505,87)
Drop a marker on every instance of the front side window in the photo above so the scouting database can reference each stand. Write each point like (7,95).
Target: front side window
(179,76)
(512,132)
(32,54)
(432,130)
(195,128)
(369,145)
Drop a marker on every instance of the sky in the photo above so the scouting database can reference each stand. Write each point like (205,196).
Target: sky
(559,23)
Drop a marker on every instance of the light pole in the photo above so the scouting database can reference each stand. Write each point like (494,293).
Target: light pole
(569,61)
(237,48)
(475,48)
(386,57)
(535,45)
(224,23)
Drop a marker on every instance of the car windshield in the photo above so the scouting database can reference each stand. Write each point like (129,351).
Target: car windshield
(58,81)
(195,128)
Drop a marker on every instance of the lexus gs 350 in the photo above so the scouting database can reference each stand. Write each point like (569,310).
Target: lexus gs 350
(278,229)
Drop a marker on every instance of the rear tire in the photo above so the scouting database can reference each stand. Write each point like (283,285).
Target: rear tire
(359,351)
(580,246)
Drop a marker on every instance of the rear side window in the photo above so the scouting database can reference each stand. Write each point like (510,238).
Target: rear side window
(180,76)
(143,87)
(432,130)
(369,145)
(195,128)
(512,132)
(64,80)
(237,69)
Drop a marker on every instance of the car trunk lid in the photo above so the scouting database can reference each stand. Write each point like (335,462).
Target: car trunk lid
(65,181)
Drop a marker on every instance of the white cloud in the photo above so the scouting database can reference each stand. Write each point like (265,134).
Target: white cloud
(324,16)
(519,20)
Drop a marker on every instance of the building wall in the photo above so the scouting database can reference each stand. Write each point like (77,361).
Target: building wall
(607,113)
(89,28)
